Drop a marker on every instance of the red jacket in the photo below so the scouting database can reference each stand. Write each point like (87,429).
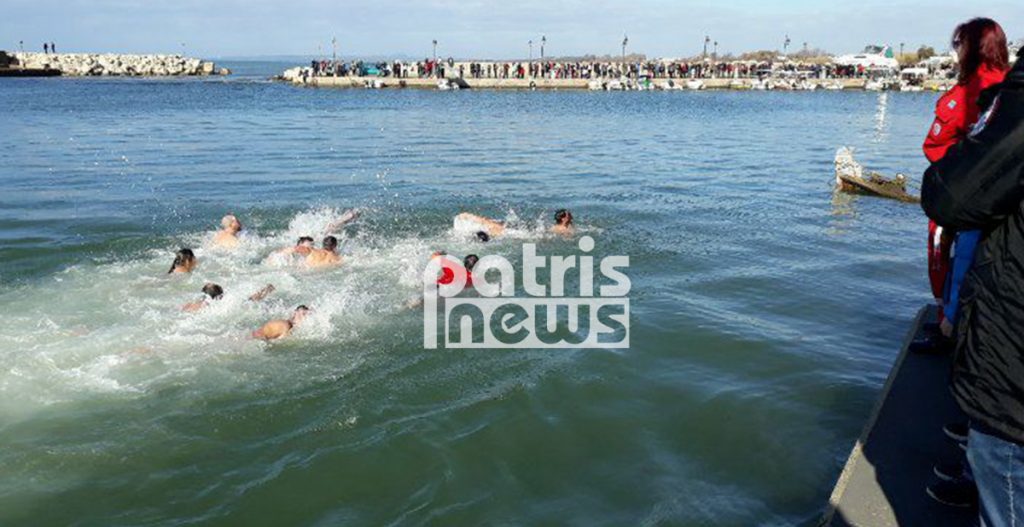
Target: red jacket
(956,112)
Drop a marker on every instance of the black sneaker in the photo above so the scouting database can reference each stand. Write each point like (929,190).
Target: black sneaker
(949,471)
(958,493)
(931,329)
(956,431)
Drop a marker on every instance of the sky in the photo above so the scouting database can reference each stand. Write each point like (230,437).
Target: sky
(499,29)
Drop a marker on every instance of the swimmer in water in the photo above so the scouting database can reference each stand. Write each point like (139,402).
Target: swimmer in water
(215,292)
(184,262)
(326,256)
(302,247)
(279,328)
(469,262)
(468,221)
(228,235)
(211,291)
(563,223)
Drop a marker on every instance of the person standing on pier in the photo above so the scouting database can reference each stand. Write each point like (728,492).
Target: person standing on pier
(982,51)
(46,48)
(53,48)
(979,184)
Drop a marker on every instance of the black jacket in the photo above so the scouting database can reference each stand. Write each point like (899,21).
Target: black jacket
(979,184)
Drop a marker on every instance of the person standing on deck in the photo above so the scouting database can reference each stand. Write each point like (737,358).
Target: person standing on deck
(979,184)
(983,57)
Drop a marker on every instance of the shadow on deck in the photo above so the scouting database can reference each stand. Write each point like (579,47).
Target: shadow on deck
(883,482)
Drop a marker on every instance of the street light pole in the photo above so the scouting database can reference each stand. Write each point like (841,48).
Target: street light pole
(334,53)
(543,40)
(901,50)
(785,45)
(435,51)
(625,41)
(707,40)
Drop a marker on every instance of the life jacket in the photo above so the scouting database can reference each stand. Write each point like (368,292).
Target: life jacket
(957,111)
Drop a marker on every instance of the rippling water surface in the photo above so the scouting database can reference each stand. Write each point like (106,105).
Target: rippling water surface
(766,312)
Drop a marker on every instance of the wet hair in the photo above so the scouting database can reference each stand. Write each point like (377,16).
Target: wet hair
(182,257)
(302,307)
(980,42)
(213,291)
(470,261)
(330,243)
(483,236)
(228,219)
(563,214)
(304,239)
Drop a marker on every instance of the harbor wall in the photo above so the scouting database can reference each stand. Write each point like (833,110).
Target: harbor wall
(109,64)
(548,84)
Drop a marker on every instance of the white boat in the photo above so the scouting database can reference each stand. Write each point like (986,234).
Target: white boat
(614,85)
(595,85)
(874,85)
(374,84)
(694,84)
(446,85)
(836,85)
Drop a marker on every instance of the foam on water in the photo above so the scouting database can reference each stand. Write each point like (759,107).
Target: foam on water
(118,328)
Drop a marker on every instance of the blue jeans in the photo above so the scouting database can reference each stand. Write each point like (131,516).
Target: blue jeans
(998,467)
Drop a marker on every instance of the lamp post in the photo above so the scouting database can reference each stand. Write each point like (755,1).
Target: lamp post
(334,53)
(435,51)
(543,40)
(714,55)
(901,50)
(785,45)
(625,42)
(530,43)
(707,40)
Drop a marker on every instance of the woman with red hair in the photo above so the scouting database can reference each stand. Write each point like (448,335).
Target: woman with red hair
(980,44)
(984,60)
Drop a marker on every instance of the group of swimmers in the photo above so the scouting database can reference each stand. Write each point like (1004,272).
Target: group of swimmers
(327,256)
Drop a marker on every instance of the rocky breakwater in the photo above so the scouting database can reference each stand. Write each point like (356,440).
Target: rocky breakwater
(107,64)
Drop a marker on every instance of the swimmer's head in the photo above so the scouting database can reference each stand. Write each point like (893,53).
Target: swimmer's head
(470,261)
(437,254)
(300,313)
(483,236)
(230,223)
(184,261)
(563,217)
(330,243)
(213,291)
(304,245)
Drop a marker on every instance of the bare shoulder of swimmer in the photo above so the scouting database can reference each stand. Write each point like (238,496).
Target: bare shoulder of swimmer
(273,329)
(192,307)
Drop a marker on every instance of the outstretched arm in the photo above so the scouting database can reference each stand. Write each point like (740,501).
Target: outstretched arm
(347,217)
(262,293)
(978,182)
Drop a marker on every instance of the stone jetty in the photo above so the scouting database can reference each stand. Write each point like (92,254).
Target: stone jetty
(107,64)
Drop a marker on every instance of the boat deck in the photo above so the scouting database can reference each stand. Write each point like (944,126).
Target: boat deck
(883,482)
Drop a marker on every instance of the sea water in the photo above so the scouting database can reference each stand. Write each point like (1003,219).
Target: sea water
(766,311)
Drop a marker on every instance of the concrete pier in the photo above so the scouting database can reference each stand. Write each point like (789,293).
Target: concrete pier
(883,482)
(545,83)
